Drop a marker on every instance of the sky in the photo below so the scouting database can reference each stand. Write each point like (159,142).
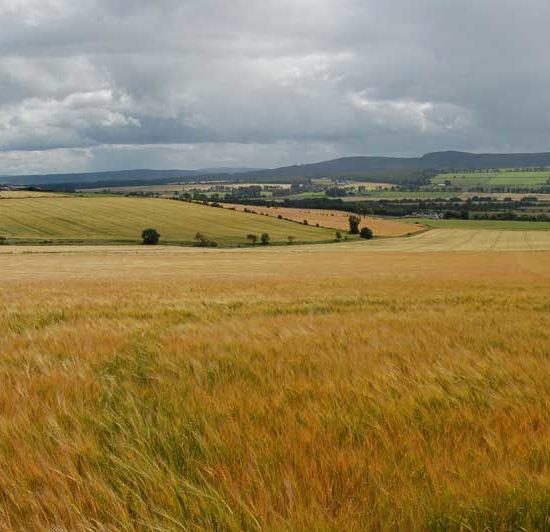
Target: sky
(94,85)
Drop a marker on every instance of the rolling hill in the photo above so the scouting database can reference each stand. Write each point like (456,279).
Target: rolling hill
(121,220)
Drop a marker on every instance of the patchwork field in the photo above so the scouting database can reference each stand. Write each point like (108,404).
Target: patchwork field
(336,219)
(294,388)
(121,220)
(169,188)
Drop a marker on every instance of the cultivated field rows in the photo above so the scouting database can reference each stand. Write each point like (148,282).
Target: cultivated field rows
(122,219)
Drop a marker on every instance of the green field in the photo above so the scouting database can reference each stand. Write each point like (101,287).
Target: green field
(121,220)
(507,225)
(505,178)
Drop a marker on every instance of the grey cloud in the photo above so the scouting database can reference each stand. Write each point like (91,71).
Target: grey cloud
(197,82)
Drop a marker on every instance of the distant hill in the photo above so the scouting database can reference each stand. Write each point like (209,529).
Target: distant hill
(389,169)
(119,176)
(385,166)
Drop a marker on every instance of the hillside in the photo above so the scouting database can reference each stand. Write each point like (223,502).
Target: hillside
(121,220)
(404,168)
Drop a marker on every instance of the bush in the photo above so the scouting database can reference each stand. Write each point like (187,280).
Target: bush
(366,233)
(204,242)
(338,235)
(291,239)
(265,238)
(252,238)
(150,236)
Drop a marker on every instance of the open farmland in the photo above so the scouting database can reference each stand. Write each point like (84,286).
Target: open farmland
(121,220)
(495,179)
(466,240)
(170,188)
(336,219)
(21,194)
(439,240)
(290,388)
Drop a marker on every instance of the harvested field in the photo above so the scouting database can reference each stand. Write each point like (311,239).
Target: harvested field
(335,219)
(121,220)
(467,240)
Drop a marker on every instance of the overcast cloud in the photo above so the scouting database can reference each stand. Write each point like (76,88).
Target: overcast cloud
(111,84)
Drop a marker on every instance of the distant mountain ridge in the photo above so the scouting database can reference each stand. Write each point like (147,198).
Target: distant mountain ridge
(115,176)
(367,166)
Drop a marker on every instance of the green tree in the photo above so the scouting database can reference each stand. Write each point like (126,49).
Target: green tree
(366,232)
(291,239)
(265,238)
(150,236)
(354,222)
(252,238)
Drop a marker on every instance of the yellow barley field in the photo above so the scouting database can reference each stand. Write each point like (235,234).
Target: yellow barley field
(274,390)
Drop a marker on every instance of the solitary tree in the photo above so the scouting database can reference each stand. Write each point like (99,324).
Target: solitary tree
(338,235)
(366,232)
(150,236)
(252,238)
(265,238)
(354,222)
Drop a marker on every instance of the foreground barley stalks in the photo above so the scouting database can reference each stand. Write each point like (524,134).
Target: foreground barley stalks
(275,391)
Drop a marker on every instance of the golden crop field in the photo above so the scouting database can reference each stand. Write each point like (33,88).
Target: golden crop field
(21,194)
(466,240)
(121,220)
(336,219)
(435,240)
(294,388)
